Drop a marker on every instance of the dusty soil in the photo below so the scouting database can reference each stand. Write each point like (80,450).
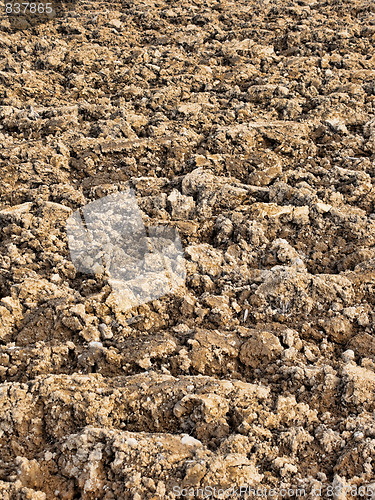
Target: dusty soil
(249,127)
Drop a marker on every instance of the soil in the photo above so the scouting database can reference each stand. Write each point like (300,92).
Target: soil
(249,127)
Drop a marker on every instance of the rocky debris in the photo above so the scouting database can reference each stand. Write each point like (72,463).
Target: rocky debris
(260,349)
(359,382)
(16,489)
(109,455)
(249,128)
(182,207)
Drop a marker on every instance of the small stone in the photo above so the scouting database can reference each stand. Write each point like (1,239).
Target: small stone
(190,441)
(145,363)
(323,207)
(48,456)
(116,23)
(358,436)
(348,356)
(337,125)
(105,331)
(95,345)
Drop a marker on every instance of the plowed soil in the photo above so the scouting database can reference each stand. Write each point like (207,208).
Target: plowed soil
(250,128)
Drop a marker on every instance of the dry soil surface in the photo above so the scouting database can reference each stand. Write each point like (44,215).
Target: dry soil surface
(250,128)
